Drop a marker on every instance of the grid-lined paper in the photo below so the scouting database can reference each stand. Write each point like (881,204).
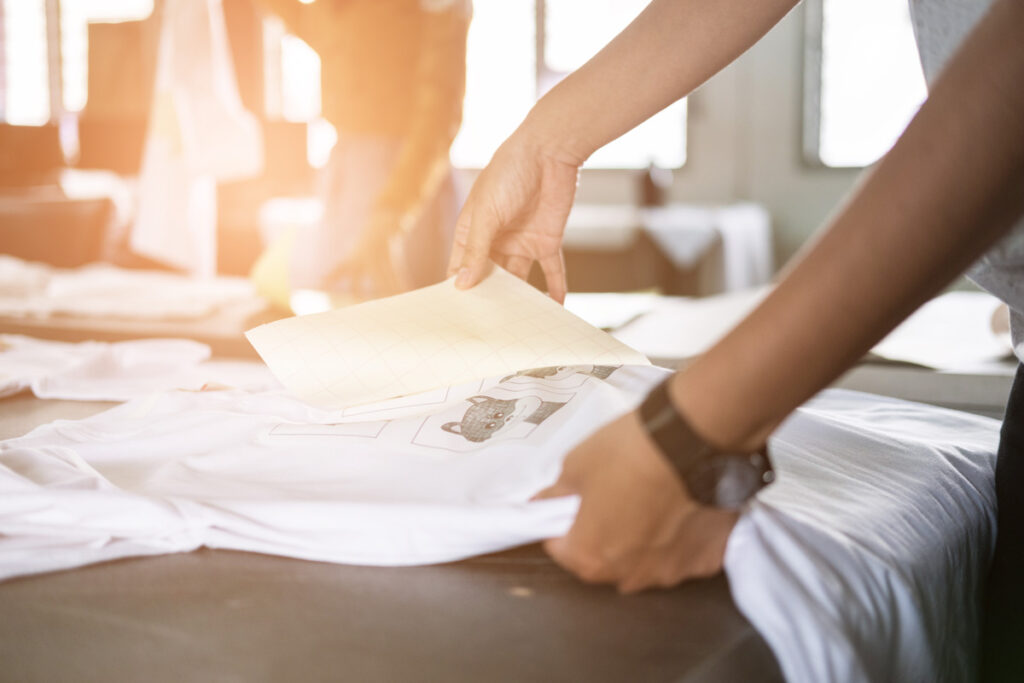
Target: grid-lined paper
(427,338)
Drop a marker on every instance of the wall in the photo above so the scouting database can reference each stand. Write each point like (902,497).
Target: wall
(745,128)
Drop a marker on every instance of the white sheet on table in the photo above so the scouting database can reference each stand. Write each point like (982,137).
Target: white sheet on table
(681,328)
(862,563)
(119,371)
(102,291)
(954,331)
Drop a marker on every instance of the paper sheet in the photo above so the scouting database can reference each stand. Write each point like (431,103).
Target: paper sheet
(431,337)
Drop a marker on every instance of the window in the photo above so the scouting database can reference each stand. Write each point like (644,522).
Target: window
(75,16)
(501,78)
(508,67)
(26,73)
(864,80)
(31,66)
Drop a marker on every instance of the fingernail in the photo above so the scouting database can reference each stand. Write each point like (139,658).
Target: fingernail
(462,279)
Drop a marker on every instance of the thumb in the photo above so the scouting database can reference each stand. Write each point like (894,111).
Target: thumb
(555,547)
(559,489)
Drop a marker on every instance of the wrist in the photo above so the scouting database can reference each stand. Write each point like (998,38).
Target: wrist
(725,430)
(549,129)
(713,476)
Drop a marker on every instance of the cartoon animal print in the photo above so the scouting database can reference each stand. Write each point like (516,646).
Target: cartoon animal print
(557,372)
(488,416)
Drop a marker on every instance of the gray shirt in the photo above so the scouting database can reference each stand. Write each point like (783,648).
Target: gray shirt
(940,26)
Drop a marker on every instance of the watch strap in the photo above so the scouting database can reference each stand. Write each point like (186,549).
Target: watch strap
(712,476)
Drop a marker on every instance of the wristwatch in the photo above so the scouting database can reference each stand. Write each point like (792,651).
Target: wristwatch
(724,479)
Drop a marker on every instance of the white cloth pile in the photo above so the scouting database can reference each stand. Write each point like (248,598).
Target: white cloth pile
(119,371)
(863,562)
(199,133)
(744,231)
(35,290)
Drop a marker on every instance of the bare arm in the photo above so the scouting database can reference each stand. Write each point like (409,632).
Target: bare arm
(669,50)
(516,212)
(949,188)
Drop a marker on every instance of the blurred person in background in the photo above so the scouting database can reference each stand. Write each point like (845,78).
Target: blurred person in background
(392,81)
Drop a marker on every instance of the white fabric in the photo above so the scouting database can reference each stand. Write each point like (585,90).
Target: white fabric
(119,371)
(955,331)
(268,473)
(862,563)
(685,233)
(35,290)
(745,233)
(199,133)
(865,561)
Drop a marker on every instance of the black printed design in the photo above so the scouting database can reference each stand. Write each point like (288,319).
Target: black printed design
(556,372)
(488,416)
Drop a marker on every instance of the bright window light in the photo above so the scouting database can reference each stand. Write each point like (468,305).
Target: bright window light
(26,88)
(501,81)
(500,78)
(300,86)
(576,31)
(871,80)
(75,16)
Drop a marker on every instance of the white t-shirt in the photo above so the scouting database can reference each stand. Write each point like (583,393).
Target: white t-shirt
(861,563)
(940,26)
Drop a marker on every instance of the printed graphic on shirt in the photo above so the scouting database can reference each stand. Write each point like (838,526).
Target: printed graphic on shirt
(487,416)
(563,376)
(498,415)
(462,418)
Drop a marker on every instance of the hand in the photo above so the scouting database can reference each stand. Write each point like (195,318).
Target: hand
(637,527)
(515,214)
(373,268)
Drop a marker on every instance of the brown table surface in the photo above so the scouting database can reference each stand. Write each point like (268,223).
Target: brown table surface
(231,616)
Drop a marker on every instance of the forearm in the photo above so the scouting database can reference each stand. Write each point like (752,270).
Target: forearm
(948,189)
(671,48)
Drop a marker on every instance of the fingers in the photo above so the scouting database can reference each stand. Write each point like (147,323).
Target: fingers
(518,266)
(462,226)
(557,490)
(554,274)
(586,567)
(475,263)
(696,550)
(643,576)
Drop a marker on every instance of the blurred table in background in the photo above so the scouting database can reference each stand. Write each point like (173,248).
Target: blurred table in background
(945,354)
(104,303)
(678,249)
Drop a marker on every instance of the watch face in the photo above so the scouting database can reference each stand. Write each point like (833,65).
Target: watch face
(727,480)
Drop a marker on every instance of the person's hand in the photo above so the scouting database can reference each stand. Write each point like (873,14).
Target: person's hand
(637,527)
(373,269)
(515,215)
